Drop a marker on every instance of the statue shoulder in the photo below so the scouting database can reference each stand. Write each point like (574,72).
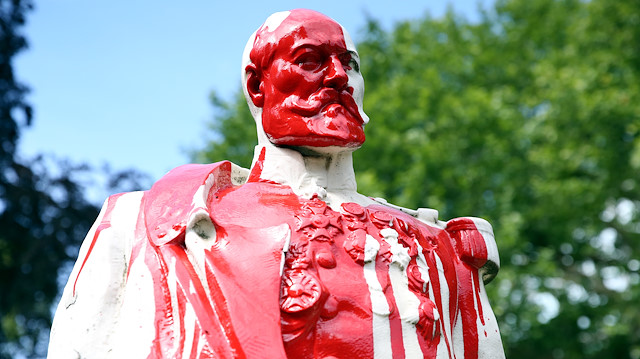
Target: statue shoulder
(475,243)
(472,238)
(181,196)
(426,215)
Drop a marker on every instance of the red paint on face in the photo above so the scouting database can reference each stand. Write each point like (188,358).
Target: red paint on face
(305,66)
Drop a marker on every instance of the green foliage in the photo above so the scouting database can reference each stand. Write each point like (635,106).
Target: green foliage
(529,118)
(234,134)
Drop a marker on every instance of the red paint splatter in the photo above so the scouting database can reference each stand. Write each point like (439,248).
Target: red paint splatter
(104,224)
(226,317)
(305,62)
(472,251)
(256,171)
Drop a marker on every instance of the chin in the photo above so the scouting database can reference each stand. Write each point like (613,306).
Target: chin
(319,141)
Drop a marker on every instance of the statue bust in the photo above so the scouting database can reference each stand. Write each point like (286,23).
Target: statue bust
(287,259)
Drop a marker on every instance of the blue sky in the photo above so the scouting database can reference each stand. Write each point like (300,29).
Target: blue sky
(127,82)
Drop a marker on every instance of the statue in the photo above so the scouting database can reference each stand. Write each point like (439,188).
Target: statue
(285,260)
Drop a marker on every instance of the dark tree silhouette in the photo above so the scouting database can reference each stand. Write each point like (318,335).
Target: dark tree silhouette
(42,216)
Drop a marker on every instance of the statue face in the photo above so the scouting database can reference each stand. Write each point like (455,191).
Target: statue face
(312,87)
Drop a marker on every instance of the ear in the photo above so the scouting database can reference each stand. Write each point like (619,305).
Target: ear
(254,85)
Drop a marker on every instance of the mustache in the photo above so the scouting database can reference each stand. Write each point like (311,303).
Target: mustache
(322,98)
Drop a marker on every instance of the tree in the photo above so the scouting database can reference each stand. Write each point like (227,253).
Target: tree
(44,213)
(42,216)
(233,135)
(529,118)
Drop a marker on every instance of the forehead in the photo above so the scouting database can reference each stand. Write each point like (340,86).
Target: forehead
(305,28)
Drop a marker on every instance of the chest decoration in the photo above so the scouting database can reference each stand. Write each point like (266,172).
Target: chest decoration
(324,240)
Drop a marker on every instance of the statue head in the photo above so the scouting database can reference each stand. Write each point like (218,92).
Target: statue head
(302,81)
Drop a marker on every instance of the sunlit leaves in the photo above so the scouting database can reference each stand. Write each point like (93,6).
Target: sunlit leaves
(531,119)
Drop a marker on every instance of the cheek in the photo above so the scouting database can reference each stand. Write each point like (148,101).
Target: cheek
(290,79)
(357,83)
(282,77)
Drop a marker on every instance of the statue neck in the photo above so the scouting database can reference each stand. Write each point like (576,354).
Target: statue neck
(329,176)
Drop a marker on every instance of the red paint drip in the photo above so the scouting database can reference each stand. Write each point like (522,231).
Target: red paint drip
(434,278)
(140,233)
(182,300)
(216,324)
(230,313)
(194,344)
(397,343)
(163,343)
(469,243)
(434,242)
(104,224)
(256,171)
(472,251)
(446,254)
(476,284)
(468,312)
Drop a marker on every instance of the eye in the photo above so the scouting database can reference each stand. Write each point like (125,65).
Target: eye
(353,63)
(349,62)
(309,61)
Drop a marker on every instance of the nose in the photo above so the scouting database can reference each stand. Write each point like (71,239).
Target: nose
(336,76)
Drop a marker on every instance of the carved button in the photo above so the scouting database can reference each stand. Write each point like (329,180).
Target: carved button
(299,291)
(296,290)
(330,308)
(355,245)
(415,270)
(381,218)
(354,215)
(326,259)
(353,208)
(427,324)
(320,221)
(416,282)
(316,204)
